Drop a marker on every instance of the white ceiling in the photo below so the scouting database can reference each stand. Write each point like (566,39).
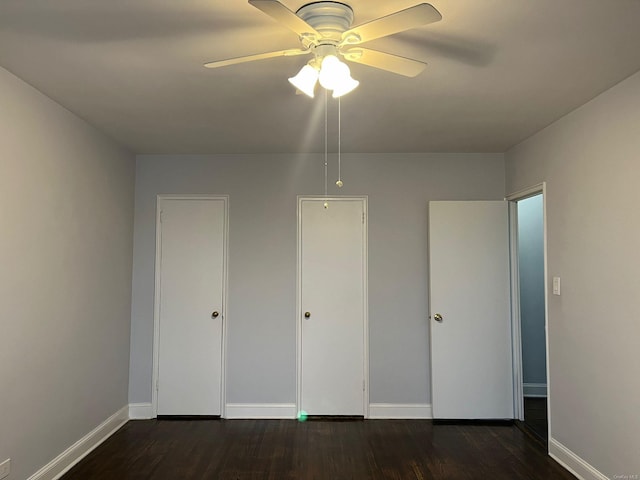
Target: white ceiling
(499,70)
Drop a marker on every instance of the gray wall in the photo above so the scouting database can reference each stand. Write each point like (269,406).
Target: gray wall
(262,259)
(66,211)
(590,161)
(531,270)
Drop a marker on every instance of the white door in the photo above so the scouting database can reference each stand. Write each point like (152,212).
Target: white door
(471,365)
(332,270)
(191,291)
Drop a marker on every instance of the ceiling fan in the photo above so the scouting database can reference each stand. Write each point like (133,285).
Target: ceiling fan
(324,29)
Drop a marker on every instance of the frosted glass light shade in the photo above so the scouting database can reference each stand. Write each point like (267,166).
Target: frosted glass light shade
(332,72)
(347,85)
(335,75)
(305,80)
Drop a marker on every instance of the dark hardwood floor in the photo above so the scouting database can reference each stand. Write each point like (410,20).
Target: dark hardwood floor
(535,416)
(287,449)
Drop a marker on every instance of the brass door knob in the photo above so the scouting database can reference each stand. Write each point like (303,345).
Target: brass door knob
(307,314)
(215,314)
(437,317)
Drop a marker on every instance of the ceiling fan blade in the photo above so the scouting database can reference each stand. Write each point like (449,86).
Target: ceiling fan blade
(407,19)
(385,61)
(258,56)
(286,17)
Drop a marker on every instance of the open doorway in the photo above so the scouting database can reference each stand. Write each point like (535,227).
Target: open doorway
(529,311)
(530,248)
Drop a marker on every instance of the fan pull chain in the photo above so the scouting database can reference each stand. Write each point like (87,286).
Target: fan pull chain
(326,154)
(339,182)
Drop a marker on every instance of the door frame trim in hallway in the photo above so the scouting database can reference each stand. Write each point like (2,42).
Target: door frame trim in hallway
(518,381)
(156,295)
(365,301)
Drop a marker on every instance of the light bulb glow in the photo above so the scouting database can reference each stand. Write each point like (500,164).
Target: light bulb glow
(335,75)
(331,72)
(305,80)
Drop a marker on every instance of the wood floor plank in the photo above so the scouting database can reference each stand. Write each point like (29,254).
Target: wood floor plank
(288,449)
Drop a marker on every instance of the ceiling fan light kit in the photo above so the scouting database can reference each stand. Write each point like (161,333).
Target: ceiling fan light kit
(329,71)
(324,30)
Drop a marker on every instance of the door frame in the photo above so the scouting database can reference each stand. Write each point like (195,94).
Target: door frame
(518,392)
(365,300)
(156,295)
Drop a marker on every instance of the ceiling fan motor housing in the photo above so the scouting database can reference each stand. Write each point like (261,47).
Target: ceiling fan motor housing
(331,19)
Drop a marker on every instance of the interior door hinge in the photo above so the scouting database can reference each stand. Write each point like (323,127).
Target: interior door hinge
(363,386)
(161,215)
(362,217)
(157,384)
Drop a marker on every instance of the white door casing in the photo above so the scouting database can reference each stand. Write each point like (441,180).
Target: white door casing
(471,363)
(333,341)
(513,198)
(190,287)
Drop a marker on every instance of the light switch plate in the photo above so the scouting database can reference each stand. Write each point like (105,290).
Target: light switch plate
(5,468)
(556,285)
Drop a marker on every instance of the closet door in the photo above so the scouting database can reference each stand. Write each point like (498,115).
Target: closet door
(191,281)
(332,269)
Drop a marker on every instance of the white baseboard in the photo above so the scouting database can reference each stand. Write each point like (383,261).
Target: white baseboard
(76,452)
(288,410)
(400,410)
(141,411)
(573,462)
(534,389)
(260,410)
